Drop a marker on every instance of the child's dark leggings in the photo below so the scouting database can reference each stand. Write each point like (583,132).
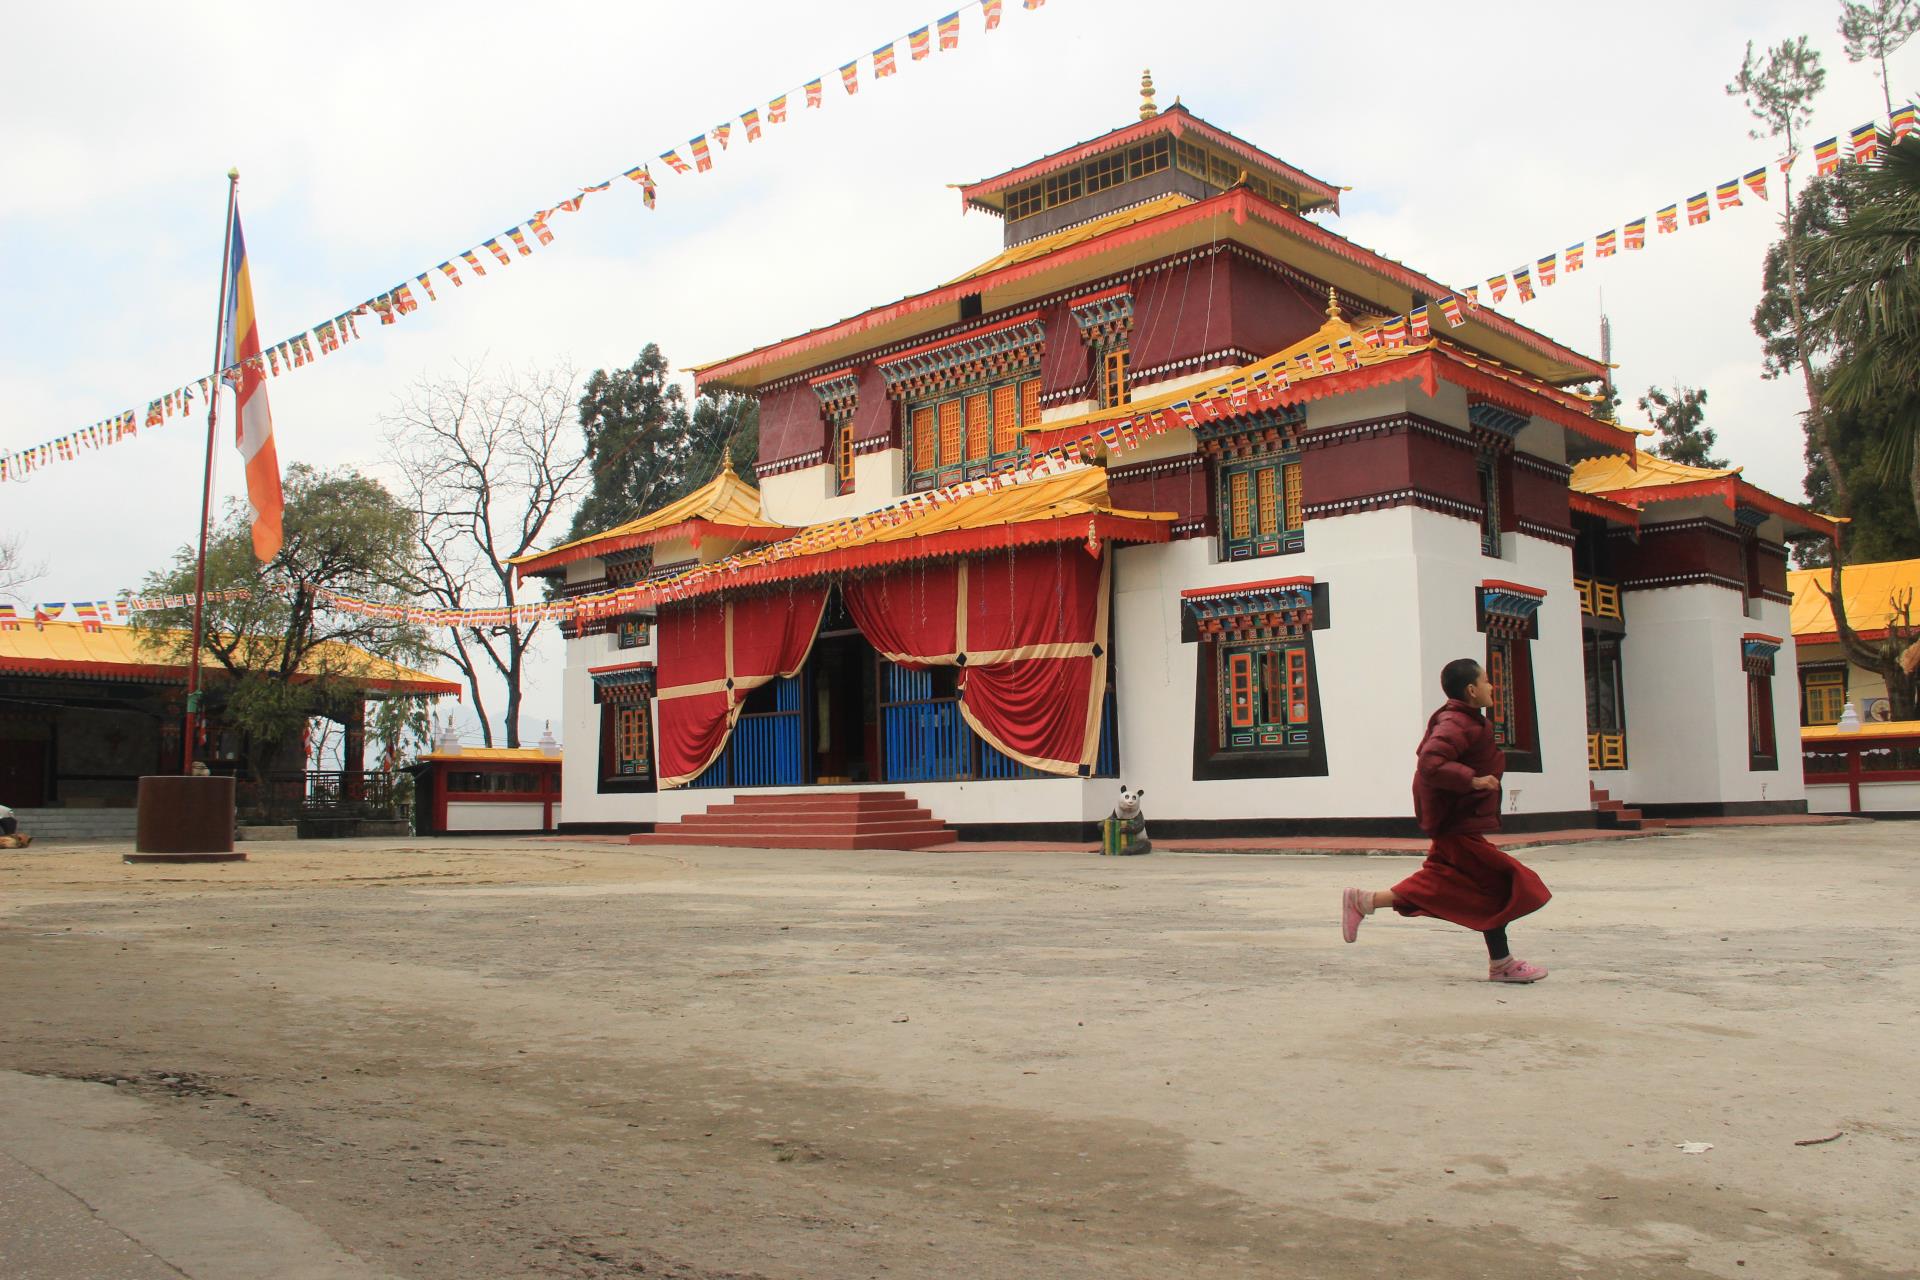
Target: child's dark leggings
(1496,943)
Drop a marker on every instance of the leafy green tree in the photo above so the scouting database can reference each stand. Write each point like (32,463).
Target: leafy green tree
(724,425)
(1680,416)
(1863,283)
(1778,91)
(1876,29)
(285,655)
(637,442)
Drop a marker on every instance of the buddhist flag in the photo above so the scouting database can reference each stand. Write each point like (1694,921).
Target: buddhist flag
(722,132)
(1522,283)
(702,157)
(777,110)
(990,10)
(1667,220)
(1905,120)
(1572,259)
(850,76)
(1450,308)
(750,121)
(1866,143)
(920,43)
(647,190)
(949,29)
(254,424)
(1418,328)
(1697,211)
(1497,287)
(1548,267)
(519,240)
(1727,194)
(883,64)
(1757,182)
(814,89)
(493,247)
(1826,157)
(1603,244)
(426,283)
(1035,4)
(675,163)
(1636,234)
(538,225)
(473,261)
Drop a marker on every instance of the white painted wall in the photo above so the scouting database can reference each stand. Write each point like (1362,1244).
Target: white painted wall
(1687,701)
(463,816)
(806,496)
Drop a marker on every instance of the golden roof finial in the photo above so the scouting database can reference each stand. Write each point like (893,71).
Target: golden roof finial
(726,457)
(1333,303)
(1147,110)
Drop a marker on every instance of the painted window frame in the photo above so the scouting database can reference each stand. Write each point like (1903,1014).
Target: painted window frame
(843,457)
(1604,669)
(1829,680)
(1005,443)
(1114,390)
(1090,177)
(620,773)
(1763,743)
(1280,502)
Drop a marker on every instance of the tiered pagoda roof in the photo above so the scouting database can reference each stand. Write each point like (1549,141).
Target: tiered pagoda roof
(1638,479)
(724,507)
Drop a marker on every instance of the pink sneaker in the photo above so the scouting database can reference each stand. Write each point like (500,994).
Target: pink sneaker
(1355,904)
(1513,969)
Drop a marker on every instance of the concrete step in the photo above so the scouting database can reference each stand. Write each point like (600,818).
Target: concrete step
(804,819)
(823,800)
(747,839)
(77,824)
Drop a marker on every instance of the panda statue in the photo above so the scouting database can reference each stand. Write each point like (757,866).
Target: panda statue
(1124,833)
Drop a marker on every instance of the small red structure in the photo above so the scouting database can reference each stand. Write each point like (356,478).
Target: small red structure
(487,790)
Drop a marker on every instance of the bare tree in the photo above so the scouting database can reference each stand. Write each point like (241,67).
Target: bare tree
(489,464)
(15,572)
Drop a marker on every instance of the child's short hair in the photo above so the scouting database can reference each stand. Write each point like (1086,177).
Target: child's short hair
(1458,676)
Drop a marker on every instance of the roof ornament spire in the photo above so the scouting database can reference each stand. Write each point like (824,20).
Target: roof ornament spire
(1147,110)
(1333,303)
(726,457)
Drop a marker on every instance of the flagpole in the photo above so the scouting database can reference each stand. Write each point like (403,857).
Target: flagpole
(206,487)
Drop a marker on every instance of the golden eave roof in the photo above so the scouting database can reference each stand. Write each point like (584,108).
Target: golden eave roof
(1648,477)
(1872,592)
(725,506)
(74,650)
(1104,250)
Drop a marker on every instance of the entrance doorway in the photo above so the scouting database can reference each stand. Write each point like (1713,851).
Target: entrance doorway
(23,772)
(846,701)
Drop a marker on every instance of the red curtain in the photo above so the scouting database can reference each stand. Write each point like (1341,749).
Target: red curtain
(1027,628)
(712,654)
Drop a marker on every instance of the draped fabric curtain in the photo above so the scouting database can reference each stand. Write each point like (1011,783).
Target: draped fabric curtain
(1027,630)
(712,654)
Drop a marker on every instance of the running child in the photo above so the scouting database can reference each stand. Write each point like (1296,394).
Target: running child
(1456,798)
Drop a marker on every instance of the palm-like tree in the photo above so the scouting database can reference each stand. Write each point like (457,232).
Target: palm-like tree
(1864,281)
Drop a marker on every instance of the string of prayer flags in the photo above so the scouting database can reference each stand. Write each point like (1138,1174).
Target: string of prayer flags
(400,300)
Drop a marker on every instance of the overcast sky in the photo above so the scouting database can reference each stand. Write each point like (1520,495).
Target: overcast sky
(376,140)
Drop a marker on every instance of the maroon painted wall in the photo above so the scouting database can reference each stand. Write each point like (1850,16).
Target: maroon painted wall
(1162,486)
(874,413)
(1268,313)
(1665,552)
(1541,499)
(1065,366)
(790,424)
(1357,467)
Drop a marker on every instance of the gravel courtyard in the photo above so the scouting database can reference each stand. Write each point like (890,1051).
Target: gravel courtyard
(483,1058)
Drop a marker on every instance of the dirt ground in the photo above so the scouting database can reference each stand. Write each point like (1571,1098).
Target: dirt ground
(478,1058)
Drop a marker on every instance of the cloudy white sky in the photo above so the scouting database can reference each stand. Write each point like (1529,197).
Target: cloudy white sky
(376,140)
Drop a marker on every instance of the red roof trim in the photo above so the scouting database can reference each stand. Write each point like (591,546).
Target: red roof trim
(1176,120)
(829,377)
(1603,508)
(694,529)
(143,673)
(1732,491)
(1498,584)
(612,667)
(950,542)
(1236,204)
(1763,637)
(1236,588)
(1833,637)
(1025,317)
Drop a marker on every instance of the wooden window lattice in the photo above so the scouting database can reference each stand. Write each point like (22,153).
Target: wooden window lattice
(1006,418)
(950,433)
(979,426)
(923,440)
